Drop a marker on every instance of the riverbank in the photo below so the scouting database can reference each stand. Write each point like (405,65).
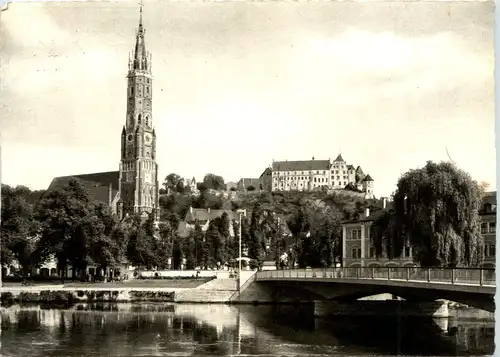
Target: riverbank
(211,291)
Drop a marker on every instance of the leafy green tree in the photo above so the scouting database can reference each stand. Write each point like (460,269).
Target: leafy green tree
(298,224)
(325,232)
(207,199)
(214,182)
(141,248)
(256,244)
(67,219)
(175,204)
(18,228)
(317,235)
(233,244)
(223,246)
(189,249)
(164,244)
(436,213)
(211,245)
(172,182)
(177,253)
(198,237)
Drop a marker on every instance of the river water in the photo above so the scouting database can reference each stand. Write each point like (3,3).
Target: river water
(211,330)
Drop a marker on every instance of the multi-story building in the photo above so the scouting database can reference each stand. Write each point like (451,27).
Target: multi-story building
(314,174)
(488,214)
(358,249)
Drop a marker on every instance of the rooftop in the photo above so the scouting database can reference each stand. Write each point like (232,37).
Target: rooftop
(301,165)
(96,184)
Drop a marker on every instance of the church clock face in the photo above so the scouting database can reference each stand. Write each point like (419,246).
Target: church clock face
(130,138)
(147,138)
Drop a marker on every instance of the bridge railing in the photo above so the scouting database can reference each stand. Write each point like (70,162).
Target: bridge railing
(463,276)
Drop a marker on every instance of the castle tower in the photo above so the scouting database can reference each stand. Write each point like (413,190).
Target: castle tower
(368,187)
(139,189)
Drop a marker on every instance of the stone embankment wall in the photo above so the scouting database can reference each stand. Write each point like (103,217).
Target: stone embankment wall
(71,296)
(214,291)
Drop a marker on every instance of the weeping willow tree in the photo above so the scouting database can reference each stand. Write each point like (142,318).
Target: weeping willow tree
(436,214)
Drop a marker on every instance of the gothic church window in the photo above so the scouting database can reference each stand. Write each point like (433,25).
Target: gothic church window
(139,119)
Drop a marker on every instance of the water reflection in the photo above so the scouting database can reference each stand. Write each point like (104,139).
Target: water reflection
(187,330)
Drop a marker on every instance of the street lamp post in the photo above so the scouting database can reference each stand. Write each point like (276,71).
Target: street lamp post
(241,212)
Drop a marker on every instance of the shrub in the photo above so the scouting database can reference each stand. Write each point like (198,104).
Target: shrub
(7,298)
(26,297)
(163,296)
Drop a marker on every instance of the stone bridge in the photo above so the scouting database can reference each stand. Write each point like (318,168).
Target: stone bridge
(473,287)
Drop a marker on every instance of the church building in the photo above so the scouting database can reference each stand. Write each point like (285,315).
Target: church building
(134,188)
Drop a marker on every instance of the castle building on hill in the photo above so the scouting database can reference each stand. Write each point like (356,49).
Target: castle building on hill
(134,188)
(311,175)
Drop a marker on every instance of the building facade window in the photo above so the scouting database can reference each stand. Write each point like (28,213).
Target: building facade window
(484,228)
(356,234)
(493,227)
(356,253)
(372,252)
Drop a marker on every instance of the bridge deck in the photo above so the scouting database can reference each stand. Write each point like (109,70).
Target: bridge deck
(470,280)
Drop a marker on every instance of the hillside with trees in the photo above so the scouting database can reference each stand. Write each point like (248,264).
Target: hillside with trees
(308,229)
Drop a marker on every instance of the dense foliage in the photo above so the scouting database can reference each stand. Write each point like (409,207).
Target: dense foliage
(289,228)
(436,213)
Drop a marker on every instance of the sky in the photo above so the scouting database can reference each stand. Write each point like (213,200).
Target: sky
(389,85)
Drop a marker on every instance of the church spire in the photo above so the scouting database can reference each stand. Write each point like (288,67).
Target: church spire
(141,58)
(140,16)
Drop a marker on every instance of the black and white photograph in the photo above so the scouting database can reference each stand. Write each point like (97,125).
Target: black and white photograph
(247,178)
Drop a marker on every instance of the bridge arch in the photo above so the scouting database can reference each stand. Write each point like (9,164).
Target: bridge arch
(374,265)
(391,265)
(352,285)
(411,264)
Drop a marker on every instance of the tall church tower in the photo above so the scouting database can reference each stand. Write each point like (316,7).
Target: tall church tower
(139,189)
